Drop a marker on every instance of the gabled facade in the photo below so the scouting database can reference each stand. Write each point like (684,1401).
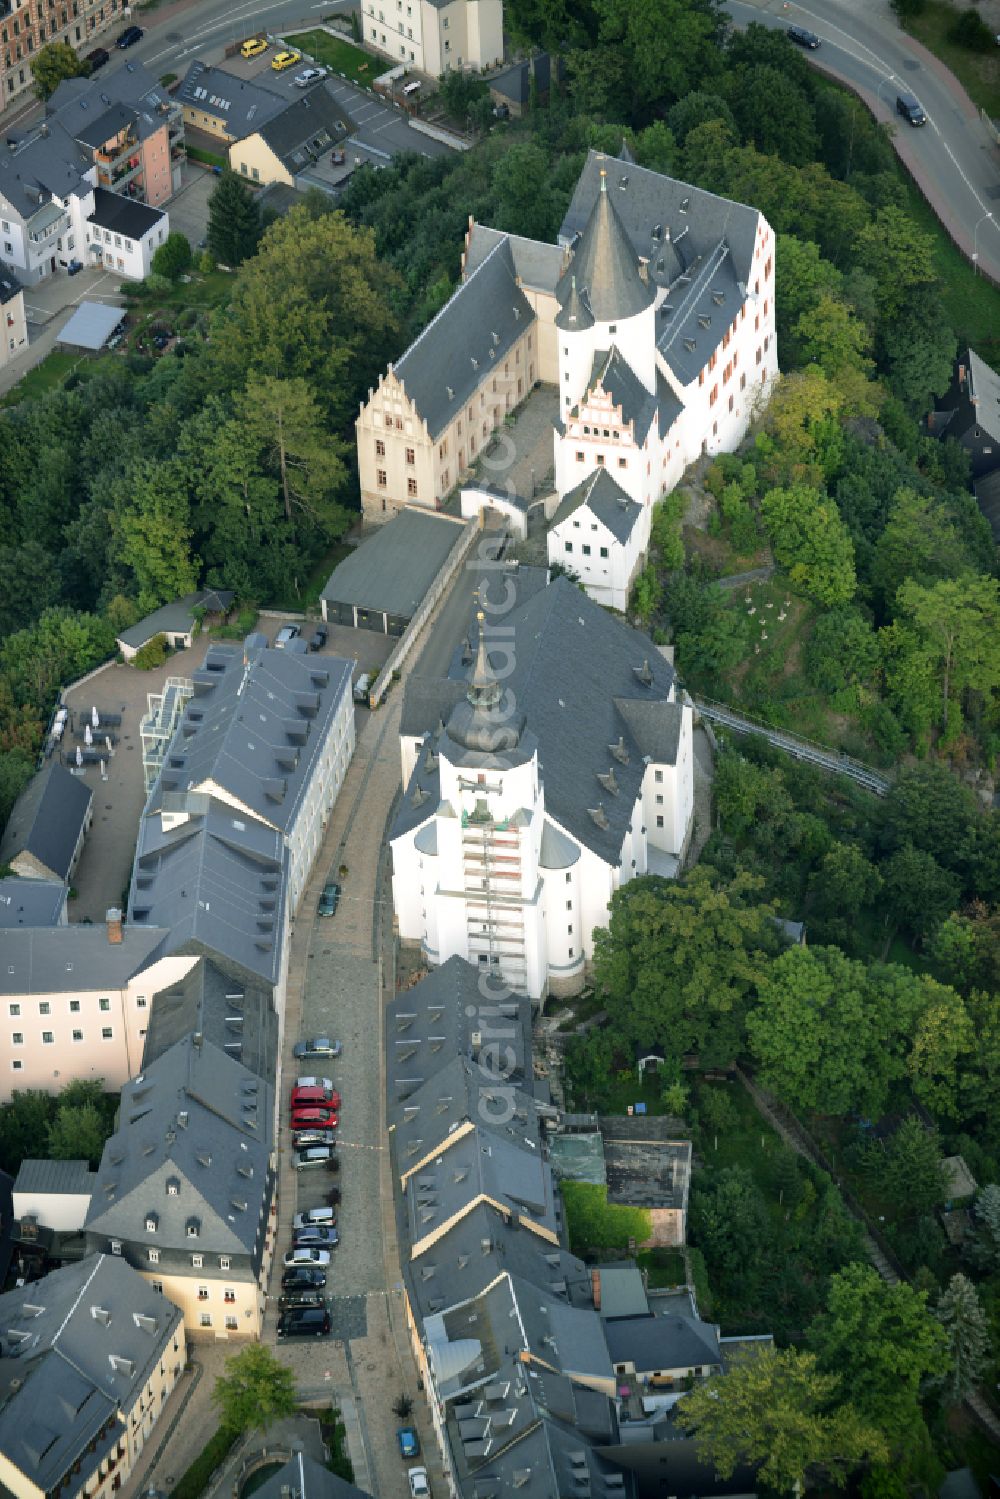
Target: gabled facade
(596,534)
(434,36)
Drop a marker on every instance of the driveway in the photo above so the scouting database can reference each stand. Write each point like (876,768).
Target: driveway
(188,208)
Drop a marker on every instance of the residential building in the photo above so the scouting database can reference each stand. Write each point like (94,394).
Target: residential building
(123,235)
(28,902)
(90,1356)
(528,804)
(227,107)
(663,1352)
(186,1188)
(47,826)
(14,337)
(381,584)
(30,24)
(304,1478)
(53,1195)
(597,535)
(970,413)
(178,622)
(132,127)
(289,143)
(434,36)
(75,1002)
(237,1018)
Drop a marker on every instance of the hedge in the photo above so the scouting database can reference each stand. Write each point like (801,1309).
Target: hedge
(194,1482)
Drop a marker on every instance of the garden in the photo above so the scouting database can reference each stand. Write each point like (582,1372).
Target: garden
(340,56)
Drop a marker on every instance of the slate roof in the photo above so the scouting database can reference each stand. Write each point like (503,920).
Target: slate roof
(988,499)
(217,884)
(474,330)
(65,1372)
(536,265)
(464,1092)
(670,1342)
(236,1016)
(427,701)
(393,568)
(605,266)
(177,618)
(44,163)
(31,902)
(515,83)
(306,128)
(202,1122)
(10,286)
(617,378)
(255,728)
(481,1164)
(130,89)
(655,727)
(60,1178)
(622,1291)
(125,216)
(603,496)
(697,244)
(303,1477)
(984,392)
(47,819)
(51,960)
(243,106)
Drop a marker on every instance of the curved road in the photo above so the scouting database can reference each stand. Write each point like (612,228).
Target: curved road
(953,158)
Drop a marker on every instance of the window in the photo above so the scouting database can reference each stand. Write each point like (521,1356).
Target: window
(78,1035)
(713,395)
(44,1008)
(411,456)
(205,1319)
(380,478)
(154,1256)
(579,456)
(157,1286)
(116,1246)
(224,1262)
(140,1001)
(202,1293)
(568,546)
(658,777)
(623,463)
(17,1066)
(104,1004)
(586,550)
(604,551)
(74,1007)
(47,1037)
(379,448)
(411,488)
(600,460)
(196,1261)
(15,1009)
(659,822)
(232,1323)
(612,327)
(106,1033)
(229,1296)
(18,1038)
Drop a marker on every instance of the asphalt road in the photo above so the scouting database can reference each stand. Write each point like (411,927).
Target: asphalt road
(952,158)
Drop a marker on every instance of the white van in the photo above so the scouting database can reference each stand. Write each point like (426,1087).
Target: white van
(362,687)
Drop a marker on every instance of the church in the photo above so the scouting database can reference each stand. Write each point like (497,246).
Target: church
(556,769)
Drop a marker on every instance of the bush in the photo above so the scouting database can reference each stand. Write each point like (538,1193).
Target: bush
(152,654)
(970,30)
(206,262)
(173,257)
(194,1482)
(702,1290)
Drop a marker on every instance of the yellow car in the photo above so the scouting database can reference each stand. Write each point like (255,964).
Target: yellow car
(285,60)
(254,47)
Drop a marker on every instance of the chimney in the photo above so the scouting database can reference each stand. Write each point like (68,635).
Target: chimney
(961,377)
(114,925)
(595,1288)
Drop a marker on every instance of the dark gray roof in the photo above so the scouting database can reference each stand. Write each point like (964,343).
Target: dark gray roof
(428,701)
(481,1164)
(54,959)
(44,162)
(670,1342)
(463,1092)
(654,726)
(31,902)
(393,568)
(201,1123)
(255,728)
(617,378)
(10,286)
(242,105)
(473,332)
(77,1348)
(988,499)
(176,618)
(306,128)
(668,404)
(984,392)
(125,216)
(515,83)
(47,820)
(72,1178)
(575,315)
(699,245)
(303,1477)
(217,883)
(605,265)
(661,1458)
(102,125)
(235,1015)
(79,103)
(536,265)
(604,497)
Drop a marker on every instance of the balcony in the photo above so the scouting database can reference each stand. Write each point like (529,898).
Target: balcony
(111,155)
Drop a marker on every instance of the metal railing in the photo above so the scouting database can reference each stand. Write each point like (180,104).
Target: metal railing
(820,755)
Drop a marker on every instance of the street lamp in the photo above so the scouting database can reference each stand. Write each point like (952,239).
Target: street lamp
(975,242)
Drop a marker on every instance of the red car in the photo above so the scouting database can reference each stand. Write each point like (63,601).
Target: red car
(315,1097)
(307,1118)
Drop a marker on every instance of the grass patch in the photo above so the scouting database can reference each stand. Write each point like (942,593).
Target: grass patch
(972,302)
(664,1268)
(307,597)
(48,375)
(596,1224)
(202,292)
(207,158)
(193,1483)
(343,57)
(977,72)
(335,1436)
(622,1092)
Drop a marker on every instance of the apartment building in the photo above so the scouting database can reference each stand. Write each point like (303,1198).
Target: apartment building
(186,1188)
(434,36)
(26,25)
(133,129)
(89,1357)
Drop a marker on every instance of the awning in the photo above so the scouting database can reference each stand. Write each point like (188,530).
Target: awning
(91,325)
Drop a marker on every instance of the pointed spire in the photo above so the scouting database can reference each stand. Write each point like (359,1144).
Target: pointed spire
(484,689)
(575,316)
(605,266)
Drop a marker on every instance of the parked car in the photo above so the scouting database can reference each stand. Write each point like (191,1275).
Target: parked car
(313,1259)
(314,1082)
(909,107)
(308,1098)
(315,1156)
(314,1215)
(409,1442)
(314,1119)
(329,899)
(98,58)
(302,1139)
(309,76)
(362,687)
(318,1236)
(254,46)
(317,639)
(304,1322)
(285,60)
(318,1046)
(803,37)
(419,1487)
(303,1278)
(130,36)
(286,634)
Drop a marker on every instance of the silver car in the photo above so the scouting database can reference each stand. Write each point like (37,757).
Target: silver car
(314,1215)
(318,1046)
(325,1083)
(312,1259)
(315,1155)
(309,76)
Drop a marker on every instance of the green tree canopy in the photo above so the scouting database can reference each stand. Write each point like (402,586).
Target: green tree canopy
(151,522)
(966,1336)
(53,62)
(958,622)
(234,227)
(173,257)
(811,542)
(899,255)
(255,1390)
(77,1133)
(919,894)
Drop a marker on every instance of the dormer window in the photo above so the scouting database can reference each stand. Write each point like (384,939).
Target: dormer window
(152,1222)
(173,1186)
(116,1246)
(192,1228)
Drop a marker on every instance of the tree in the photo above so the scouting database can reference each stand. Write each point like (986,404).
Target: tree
(283,420)
(832,336)
(24,1123)
(803,420)
(917,348)
(520,183)
(77,1133)
(52,63)
(695,109)
(646,594)
(919,894)
(928,807)
(906,9)
(775,1408)
(665,530)
(668,47)
(234,227)
(173,257)
(255,1390)
(909,1174)
(842,651)
(802,278)
(771,110)
(958,619)
(152,528)
(845,882)
(899,255)
(729,1222)
(966,1337)
(883,1342)
(811,542)
(944,1037)
(920,541)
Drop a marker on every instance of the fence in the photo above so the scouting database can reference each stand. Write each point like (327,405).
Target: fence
(822,756)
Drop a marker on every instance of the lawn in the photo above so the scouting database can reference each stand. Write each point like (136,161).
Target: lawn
(972,302)
(664,1268)
(622,1092)
(978,72)
(48,375)
(343,57)
(204,290)
(598,1226)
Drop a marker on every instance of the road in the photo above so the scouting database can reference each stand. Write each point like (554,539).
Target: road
(952,159)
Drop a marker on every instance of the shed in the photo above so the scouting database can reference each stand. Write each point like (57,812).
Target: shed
(91,325)
(382,584)
(176,621)
(47,826)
